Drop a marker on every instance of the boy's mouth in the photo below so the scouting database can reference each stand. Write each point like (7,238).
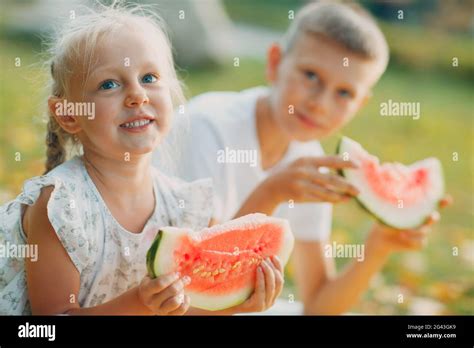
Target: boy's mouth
(307,121)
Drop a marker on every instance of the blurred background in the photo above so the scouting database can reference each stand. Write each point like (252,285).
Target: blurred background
(432,62)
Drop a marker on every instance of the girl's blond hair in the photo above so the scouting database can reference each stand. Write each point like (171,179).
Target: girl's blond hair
(73,45)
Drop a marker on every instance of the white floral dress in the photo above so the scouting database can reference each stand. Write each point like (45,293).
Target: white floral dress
(110,259)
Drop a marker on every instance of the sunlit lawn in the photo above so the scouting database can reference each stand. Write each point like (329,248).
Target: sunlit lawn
(445,127)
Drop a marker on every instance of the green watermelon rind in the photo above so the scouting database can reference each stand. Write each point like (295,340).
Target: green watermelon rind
(359,202)
(341,172)
(150,255)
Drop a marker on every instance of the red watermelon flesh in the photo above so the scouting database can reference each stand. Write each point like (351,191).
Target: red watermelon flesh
(221,260)
(398,195)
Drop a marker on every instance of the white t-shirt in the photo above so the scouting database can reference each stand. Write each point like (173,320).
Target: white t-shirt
(221,142)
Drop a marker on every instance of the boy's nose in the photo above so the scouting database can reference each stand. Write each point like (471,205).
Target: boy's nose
(318,103)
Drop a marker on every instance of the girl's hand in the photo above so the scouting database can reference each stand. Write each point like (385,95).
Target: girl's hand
(269,283)
(388,239)
(164,295)
(301,181)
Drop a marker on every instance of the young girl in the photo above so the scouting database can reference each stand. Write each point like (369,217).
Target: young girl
(93,217)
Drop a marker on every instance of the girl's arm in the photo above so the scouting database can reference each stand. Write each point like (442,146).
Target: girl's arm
(53,281)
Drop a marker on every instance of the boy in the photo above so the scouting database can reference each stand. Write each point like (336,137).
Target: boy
(320,76)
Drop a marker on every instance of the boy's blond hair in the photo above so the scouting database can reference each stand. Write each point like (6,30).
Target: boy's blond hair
(348,24)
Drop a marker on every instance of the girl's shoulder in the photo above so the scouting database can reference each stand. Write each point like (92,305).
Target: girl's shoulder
(62,196)
(189,204)
(64,186)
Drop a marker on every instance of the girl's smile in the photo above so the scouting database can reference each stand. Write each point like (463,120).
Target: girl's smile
(138,124)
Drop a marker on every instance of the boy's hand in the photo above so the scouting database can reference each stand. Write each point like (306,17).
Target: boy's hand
(387,239)
(164,295)
(301,181)
(269,284)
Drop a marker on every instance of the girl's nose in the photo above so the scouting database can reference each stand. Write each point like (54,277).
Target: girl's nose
(136,98)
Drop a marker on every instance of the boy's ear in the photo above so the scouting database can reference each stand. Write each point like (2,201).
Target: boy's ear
(69,123)
(366,99)
(274,55)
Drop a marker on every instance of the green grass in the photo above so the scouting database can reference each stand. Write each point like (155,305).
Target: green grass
(21,107)
(445,127)
(274,15)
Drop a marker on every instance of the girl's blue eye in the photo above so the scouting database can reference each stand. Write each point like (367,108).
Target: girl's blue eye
(149,78)
(109,84)
(345,93)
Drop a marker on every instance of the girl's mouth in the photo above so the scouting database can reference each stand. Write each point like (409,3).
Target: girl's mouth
(136,126)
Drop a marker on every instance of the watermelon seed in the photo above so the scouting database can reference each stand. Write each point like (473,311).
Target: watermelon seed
(196,270)
(221,270)
(205,274)
(216,272)
(237,264)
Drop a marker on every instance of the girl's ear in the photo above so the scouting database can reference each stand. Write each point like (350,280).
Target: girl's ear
(274,55)
(58,108)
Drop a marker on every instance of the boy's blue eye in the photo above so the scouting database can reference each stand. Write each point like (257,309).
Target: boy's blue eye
(311,75)
(149,78)
(108,85)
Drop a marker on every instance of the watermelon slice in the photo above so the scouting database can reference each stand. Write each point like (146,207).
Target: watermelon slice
(221,260)
(399,196)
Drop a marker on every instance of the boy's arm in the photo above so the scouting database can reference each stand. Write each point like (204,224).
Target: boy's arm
(321,291)
(261,200)
(330,294)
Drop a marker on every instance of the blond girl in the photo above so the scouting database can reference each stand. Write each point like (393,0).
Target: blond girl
(92,217)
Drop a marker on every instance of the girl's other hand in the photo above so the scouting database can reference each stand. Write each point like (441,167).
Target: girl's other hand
(269,284)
